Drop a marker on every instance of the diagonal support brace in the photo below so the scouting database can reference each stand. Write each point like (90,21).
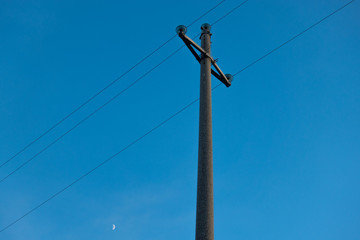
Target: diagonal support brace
(226,80)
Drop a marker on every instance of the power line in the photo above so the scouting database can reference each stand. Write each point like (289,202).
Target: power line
(227,14)
(99,165)
(205,14)
(158,126)
(293,38)
(103,89)
(88,116)
(97,109)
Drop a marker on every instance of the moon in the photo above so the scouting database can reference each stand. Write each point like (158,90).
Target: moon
(113,227)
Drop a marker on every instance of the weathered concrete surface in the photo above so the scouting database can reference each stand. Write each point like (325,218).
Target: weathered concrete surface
(205,202)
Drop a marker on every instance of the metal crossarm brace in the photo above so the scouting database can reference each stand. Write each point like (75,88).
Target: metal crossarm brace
(191,45)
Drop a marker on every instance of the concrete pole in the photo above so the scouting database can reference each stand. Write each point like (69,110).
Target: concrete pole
(205,201)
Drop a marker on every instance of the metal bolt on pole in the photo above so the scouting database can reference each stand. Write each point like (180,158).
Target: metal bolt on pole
(205,200)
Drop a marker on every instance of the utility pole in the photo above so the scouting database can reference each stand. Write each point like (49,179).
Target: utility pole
(205,200)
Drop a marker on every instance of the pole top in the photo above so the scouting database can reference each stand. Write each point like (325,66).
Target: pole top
(206,28)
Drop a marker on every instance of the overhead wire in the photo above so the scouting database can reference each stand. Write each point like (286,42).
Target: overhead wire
(163,122)
(101,106)
(228,13)
(294,37)
(88,116)
(103,89)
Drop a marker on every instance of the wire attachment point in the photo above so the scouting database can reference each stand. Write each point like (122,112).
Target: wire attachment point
(181,29)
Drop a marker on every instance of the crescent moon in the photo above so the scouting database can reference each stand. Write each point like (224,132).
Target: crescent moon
(113,228)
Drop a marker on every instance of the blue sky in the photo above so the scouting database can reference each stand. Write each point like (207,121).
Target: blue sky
(286,133)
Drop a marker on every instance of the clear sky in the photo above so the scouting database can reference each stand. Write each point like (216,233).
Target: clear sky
(286,133)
